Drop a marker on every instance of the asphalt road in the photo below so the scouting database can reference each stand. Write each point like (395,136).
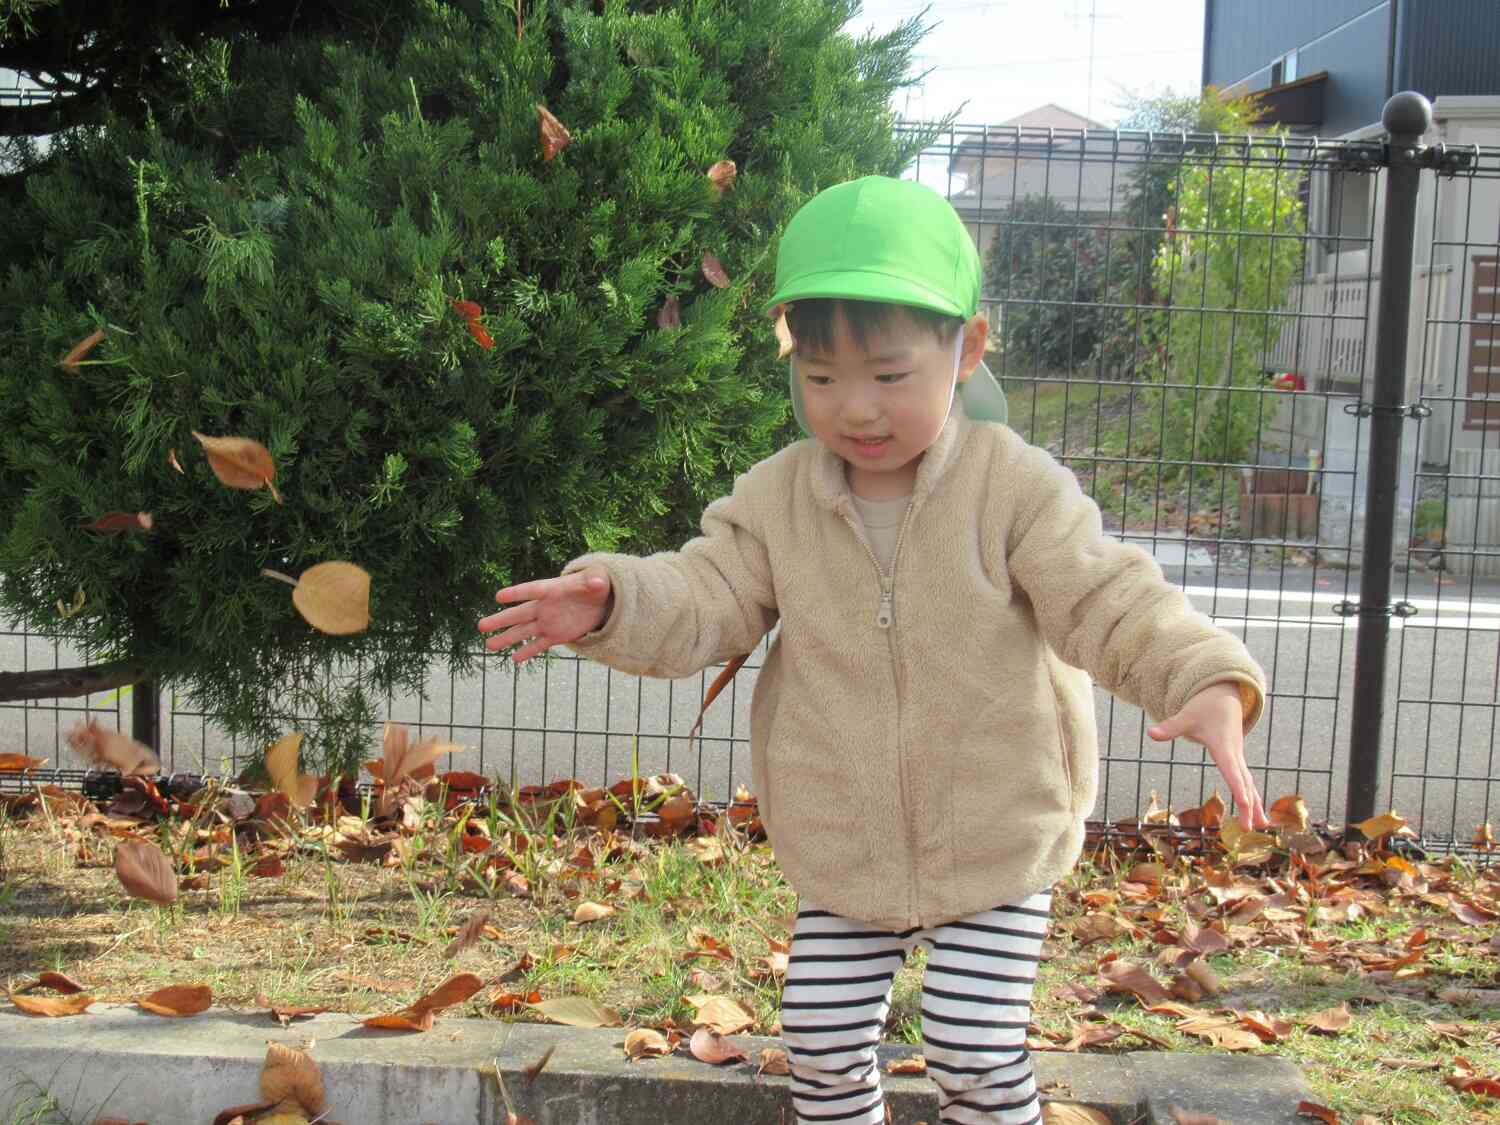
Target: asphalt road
(570,718)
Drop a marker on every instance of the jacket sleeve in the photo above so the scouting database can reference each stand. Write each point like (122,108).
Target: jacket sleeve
(677,612)
(1106,607)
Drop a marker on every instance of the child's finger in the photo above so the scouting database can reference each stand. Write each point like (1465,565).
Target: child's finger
(525,592)
(512,616)
(514,635)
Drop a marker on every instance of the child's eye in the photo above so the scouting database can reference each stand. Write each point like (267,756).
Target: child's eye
(893,377)
(819,380)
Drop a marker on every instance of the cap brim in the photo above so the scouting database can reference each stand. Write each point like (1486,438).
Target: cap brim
(865,285)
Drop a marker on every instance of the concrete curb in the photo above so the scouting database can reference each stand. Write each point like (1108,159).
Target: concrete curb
(120,1060)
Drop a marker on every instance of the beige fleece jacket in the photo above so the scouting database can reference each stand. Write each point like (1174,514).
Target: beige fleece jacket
(923,743)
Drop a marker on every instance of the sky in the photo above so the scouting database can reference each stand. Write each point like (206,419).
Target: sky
(1007,56)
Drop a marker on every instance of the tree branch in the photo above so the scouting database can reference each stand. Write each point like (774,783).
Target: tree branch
(56,683)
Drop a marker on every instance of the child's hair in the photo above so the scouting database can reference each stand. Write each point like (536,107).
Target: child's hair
(811,321)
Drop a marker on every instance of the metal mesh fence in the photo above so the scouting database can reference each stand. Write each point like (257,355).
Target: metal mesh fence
(1189,323)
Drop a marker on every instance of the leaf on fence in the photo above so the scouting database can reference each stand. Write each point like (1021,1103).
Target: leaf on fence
(145,872)
(112,748)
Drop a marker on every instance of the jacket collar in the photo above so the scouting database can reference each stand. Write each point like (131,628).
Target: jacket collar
(830,486)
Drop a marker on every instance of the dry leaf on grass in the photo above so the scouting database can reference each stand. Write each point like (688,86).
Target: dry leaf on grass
(1070,1113)
(471,932)
(281,764)
(591,912)
(240,462)
(1330,1021)
(145,872)
(179,1000)
(1122,976)
(707,1045)
(419,1015)
(52,1005)
(1306,1108)
(646,1043)
(578,1011)
(721,1013)
(113,749)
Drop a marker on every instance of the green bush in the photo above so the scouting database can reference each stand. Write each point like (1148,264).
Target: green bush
(276,254)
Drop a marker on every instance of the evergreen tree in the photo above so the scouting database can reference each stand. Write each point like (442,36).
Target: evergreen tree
(469,361)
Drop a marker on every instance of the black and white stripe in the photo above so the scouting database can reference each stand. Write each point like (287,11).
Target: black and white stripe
(976,1003)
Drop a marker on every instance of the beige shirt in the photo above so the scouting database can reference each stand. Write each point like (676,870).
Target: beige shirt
(923,741)
(882,522)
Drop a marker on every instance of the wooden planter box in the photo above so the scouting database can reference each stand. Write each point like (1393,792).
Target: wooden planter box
(1278,503)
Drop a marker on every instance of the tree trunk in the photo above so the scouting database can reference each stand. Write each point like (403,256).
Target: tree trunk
(52,683)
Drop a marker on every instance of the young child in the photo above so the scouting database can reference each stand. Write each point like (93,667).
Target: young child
(923,739)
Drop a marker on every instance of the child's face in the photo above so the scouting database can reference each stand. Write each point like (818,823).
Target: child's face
(880,410)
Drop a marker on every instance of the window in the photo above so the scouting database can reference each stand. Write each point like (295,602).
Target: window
(1284,69)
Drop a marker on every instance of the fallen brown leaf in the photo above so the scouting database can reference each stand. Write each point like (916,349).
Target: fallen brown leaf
(471,932)
(646,1043)
(721,1013)
(290,1075)
(145,872)
(721,175)
(707,1045)
(773,1060)
(911,1064)
(52,1005)
(179,1000)
(578,1011)
(1122,976)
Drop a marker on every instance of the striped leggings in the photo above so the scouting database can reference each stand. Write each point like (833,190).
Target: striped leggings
(976,1002)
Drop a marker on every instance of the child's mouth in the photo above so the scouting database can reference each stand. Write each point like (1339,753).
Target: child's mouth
(870,445)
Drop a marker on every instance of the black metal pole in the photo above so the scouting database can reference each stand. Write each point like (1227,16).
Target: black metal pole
(1406,117)
(145,714)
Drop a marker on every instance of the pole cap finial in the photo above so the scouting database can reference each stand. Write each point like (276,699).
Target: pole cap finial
(1407,112)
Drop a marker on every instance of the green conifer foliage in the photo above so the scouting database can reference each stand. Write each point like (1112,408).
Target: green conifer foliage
(277,255)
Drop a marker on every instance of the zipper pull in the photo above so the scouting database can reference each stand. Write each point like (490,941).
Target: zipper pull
(884,615)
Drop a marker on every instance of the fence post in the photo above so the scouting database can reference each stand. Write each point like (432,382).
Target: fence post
(1406,117)
(145,714)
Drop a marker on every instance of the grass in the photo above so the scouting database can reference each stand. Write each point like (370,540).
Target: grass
(1091,426)
(365,938)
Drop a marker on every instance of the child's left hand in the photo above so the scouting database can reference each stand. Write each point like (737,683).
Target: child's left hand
(1214,719)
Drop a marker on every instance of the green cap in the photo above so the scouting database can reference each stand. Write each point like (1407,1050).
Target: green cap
(882,239)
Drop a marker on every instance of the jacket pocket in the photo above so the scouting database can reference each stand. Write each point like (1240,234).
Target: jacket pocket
(1066,749)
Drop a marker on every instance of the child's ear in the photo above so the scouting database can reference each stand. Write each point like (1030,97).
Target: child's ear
(976,332)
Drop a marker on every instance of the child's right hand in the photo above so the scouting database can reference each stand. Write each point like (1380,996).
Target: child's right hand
(551,611)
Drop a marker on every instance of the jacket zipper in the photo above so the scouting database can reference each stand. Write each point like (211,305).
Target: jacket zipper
(885,618)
